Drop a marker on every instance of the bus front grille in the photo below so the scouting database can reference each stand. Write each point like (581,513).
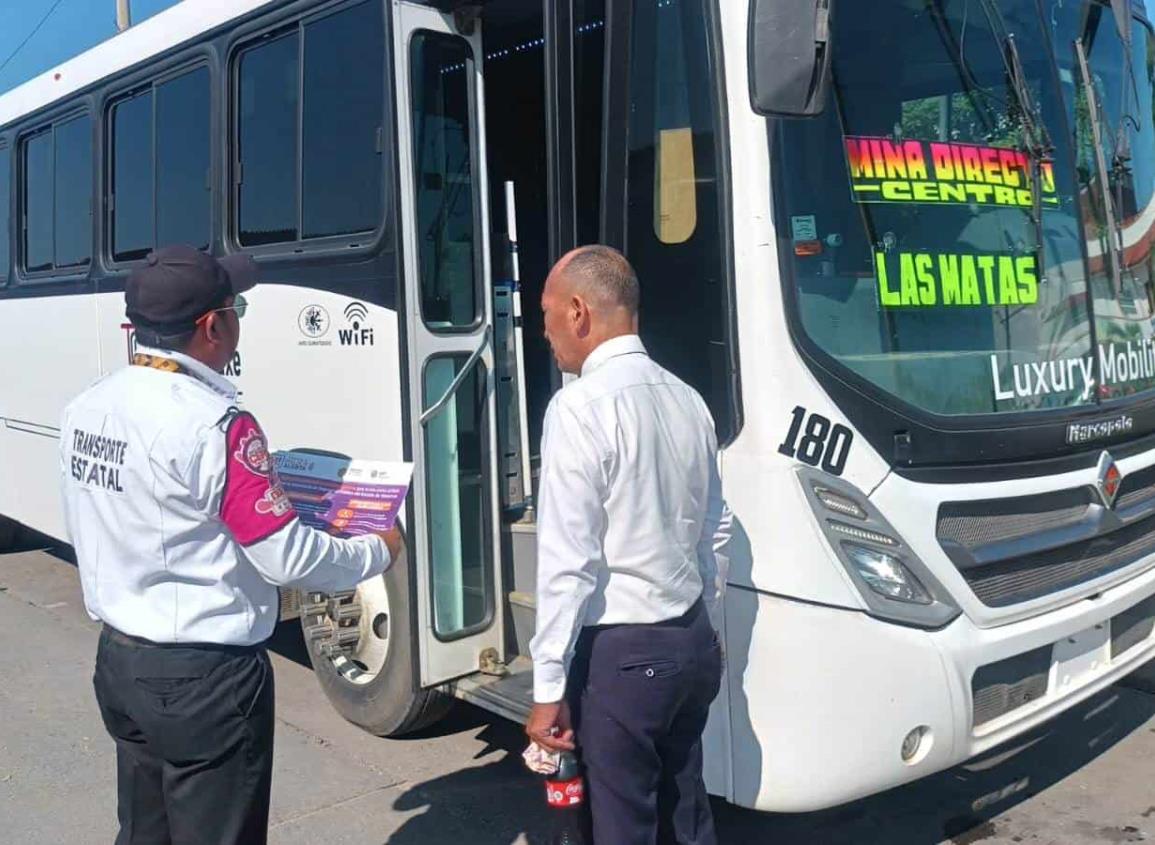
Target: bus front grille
(999,688)
(1132,626)
(1019,549)
(1021,579)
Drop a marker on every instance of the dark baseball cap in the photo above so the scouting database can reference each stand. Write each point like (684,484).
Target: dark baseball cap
(177,285)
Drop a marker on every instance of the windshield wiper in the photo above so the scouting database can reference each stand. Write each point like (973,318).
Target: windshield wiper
(1095,117)
(1129,94)
(1035,137)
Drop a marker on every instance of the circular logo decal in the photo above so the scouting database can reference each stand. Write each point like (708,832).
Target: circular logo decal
(313,321)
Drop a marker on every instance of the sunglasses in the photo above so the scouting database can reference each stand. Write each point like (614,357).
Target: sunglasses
(240,305)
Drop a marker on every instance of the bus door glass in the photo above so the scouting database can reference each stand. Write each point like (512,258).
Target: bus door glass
(449,327)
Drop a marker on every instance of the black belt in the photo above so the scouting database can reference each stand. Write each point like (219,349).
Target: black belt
(121,638)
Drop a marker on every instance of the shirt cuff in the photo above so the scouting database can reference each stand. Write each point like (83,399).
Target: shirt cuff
(548,682)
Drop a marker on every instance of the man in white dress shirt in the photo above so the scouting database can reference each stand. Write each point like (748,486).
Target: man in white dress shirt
(182,532)
(626,661)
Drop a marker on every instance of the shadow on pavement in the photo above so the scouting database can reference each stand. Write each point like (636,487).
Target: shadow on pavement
(958,806)
(513,799)
(27,540)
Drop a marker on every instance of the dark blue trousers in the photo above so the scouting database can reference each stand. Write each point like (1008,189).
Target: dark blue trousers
(640,695)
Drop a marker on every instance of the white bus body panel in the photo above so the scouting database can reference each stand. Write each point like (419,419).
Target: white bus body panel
(314,393)
(814,733)
(56,360)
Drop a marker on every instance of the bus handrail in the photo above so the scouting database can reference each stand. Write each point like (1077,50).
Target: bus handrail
(439,406)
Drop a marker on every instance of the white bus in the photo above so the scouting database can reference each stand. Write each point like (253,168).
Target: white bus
(902,248)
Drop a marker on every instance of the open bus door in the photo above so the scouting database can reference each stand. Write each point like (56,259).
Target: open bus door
(448,313)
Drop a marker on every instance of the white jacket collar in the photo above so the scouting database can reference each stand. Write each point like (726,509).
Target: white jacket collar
(202,373)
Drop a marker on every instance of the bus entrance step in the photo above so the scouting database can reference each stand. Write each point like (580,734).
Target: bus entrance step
(510,696)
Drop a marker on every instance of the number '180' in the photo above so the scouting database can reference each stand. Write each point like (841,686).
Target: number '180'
(821,443)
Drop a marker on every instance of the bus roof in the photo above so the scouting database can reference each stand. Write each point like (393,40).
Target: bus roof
(164,31)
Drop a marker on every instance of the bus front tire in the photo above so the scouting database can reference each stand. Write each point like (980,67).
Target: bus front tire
(386,700)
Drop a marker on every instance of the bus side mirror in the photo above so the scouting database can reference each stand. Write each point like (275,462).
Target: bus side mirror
(789,55)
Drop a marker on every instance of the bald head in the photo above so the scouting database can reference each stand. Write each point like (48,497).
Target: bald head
(591,296)
(601,275)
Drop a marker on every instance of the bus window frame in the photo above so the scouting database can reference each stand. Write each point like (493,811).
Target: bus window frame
(480,304)
(150,80)
(80,107)
(6,274)
(267,28)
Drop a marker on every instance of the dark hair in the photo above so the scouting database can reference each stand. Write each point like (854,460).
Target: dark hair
(607,274)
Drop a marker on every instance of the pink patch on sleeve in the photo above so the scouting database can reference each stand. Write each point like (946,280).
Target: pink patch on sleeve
(254,505)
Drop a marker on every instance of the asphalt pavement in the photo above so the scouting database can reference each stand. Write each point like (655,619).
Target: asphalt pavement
(1085,779)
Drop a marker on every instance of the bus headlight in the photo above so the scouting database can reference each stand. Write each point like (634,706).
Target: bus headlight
(894,583)
(886,574)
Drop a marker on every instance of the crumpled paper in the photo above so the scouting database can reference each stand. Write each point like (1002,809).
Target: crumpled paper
(541,760)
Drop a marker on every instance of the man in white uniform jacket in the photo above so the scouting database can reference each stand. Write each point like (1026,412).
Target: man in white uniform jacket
(630,523)
(183,533)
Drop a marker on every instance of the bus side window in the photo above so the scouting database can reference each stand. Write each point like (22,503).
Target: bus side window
(674,234)
(132,232)
(342,141)
(160,167)
(267,142)
(161,151)
(183,160)
(311,130)
(57,196)
(5,207)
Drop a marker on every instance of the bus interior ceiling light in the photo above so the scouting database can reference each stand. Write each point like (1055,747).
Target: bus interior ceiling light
(886,574)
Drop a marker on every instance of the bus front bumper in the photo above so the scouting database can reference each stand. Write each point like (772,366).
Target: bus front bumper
(821,700)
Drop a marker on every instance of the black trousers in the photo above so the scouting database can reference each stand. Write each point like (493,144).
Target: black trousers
(193,727)
(640,695)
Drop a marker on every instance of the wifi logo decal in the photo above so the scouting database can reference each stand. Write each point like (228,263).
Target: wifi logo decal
(356,312)
(357,332)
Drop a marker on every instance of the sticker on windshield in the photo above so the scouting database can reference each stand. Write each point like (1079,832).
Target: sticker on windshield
(940,173)
(925,279)
(803,227)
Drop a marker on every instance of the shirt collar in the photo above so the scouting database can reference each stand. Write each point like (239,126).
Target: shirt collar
(201,372)
(627,344)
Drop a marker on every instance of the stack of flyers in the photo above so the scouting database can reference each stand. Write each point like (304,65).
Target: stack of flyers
(344,496)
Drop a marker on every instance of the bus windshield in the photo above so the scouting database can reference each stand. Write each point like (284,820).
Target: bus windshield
(968,225)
